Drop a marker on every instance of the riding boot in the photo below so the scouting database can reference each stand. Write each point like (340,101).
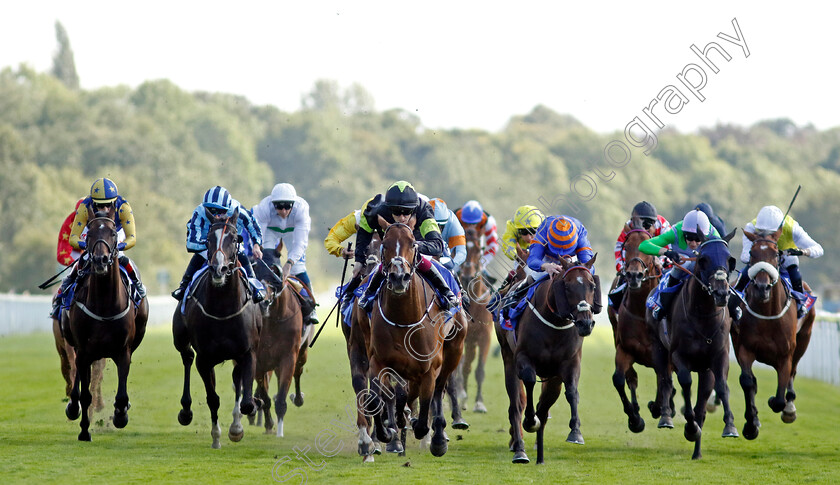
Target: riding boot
(65,283)
(134,274)
(196,263)
(431,273)
(596,301)
(256,285)
(665,299)
(366,301)
(354,283)
(743,279)
(796,283)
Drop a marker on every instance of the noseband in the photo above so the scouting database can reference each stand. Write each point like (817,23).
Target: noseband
(772,271)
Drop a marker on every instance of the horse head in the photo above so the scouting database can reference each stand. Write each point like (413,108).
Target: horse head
(101,242)
(399,255)
(714,263)
(639,265)
(574,294)
(223,241)
(372,253)
(764,262)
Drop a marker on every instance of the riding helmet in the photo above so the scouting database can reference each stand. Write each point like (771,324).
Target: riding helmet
(401,194)
(472,212)
(103,191)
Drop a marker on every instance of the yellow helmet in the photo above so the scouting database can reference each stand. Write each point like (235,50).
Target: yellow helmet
(103,191)
(527,217)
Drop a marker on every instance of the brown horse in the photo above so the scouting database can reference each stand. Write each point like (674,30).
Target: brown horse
(481,320)
(549,344)
(412,342)
(67,357)
(697,338)
(769,332)
(221,323)
(103,322)
(633,338)
(283,349)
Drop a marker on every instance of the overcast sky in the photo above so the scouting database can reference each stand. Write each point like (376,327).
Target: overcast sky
(457,63)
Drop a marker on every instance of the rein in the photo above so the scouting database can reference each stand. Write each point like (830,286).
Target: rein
(773,272)
(214,317)
(582,306)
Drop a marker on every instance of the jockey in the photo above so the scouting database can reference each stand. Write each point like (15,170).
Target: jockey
(643,216)
(519,232)
(400,204)
(284,220)
(455,250)
(218,205)
(685,237)
(103,196)
(472,214)
(793,242)
(341,231)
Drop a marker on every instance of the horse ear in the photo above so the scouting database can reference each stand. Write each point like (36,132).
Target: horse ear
(729,236)
(750,236)
(560,300)
(591,262)
(383,224)
(776,235)
(732,263)
(239,238)
(235,214)
(564,263)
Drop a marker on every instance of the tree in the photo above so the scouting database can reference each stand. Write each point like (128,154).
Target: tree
(64,66)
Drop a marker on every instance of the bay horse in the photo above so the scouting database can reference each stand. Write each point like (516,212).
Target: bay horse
(697,338)
(220,322)
(67,358)
(549,344)
(412,342)
(481,320)
(283,348)
(769,332)
(633,338)
(103,321)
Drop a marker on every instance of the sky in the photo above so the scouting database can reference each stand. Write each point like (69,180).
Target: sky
(458,64)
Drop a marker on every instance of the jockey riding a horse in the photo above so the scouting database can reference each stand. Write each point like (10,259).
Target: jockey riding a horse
(219,205)
(473,215)
(793,242)
(519,232)
(103,197)
(643,216)
(399,205)
(685,236)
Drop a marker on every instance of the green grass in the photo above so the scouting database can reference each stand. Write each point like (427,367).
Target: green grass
(38,443)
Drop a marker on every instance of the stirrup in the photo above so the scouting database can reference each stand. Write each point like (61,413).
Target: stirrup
(178,294)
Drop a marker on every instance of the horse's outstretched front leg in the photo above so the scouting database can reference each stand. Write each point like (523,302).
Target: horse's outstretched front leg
(181,340)
(548,396)
(516,401)
(749,386)
(208,376)
(83,366)
(692,429)
(73,408)
(236,431)
(721,372)
(623,363)
(525,371)
(705,384)
(571,377)
(121,404)
(439,445)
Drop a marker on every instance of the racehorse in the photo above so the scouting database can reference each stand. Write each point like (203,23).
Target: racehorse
(481,320)
(769,332)
(104,321)
(697,339)
(413,343)
(283,348)
(633,338)
(67,357)
(549,340)
(221,323)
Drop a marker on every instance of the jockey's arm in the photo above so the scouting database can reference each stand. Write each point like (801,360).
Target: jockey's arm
(803,241)
(341,231)
(300,236)
(79,223)
(126,216)
(658,245)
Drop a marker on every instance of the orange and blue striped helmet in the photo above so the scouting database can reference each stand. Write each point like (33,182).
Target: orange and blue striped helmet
(103,191)
(562,233)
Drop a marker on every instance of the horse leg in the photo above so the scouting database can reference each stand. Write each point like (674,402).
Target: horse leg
(466,369)
(397,445)
(513,387)
(663,407)
(284,372)
(248,362)
(297,397)
(83,379)
(236,431)
(750,386)
(483,351)
(439,445)
(208,376)
(777,403)
(623,363)
(96,371)
(66,356)
(73,408)
(451,388)
(721,372)
(181,340)
(705,384)
(548,396)
(427,390)
(526,372)
(263,380)
(121,404)
(692,430)
(375,405)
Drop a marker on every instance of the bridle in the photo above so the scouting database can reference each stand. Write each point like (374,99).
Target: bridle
(647,276)
(112,250)
(398,259)
(211,252)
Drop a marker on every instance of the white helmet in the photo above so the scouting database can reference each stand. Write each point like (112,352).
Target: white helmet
(769,219)
(696,222)
(283,192)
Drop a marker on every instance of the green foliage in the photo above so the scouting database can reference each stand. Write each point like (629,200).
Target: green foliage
(64,65)
(164,147)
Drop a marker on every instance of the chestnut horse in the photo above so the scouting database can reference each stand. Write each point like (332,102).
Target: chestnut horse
(549,344)
(103,321)
(769,332)
(412,343)
(633,338)
(283,348)
(481,320)
(697,339)
(221,323)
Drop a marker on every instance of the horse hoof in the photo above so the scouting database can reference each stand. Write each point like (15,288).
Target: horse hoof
(377,448)
(120,419)
(692,432)
(251,420)
(788,417)
(185,417)
(521,457)
(575,437)
(460,424)
(236,437)
(750,431)
(217,445)
(777,405)
(395,446)
(439,446)
(368,459)
(480,407)
(636,424)
(531,426)
(420,430)
(654,410)
(248,408)
(297,399)
(73,410)
(666,422)
(84,436)
(729,431)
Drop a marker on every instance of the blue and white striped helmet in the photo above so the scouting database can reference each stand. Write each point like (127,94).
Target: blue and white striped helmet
(217,197)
